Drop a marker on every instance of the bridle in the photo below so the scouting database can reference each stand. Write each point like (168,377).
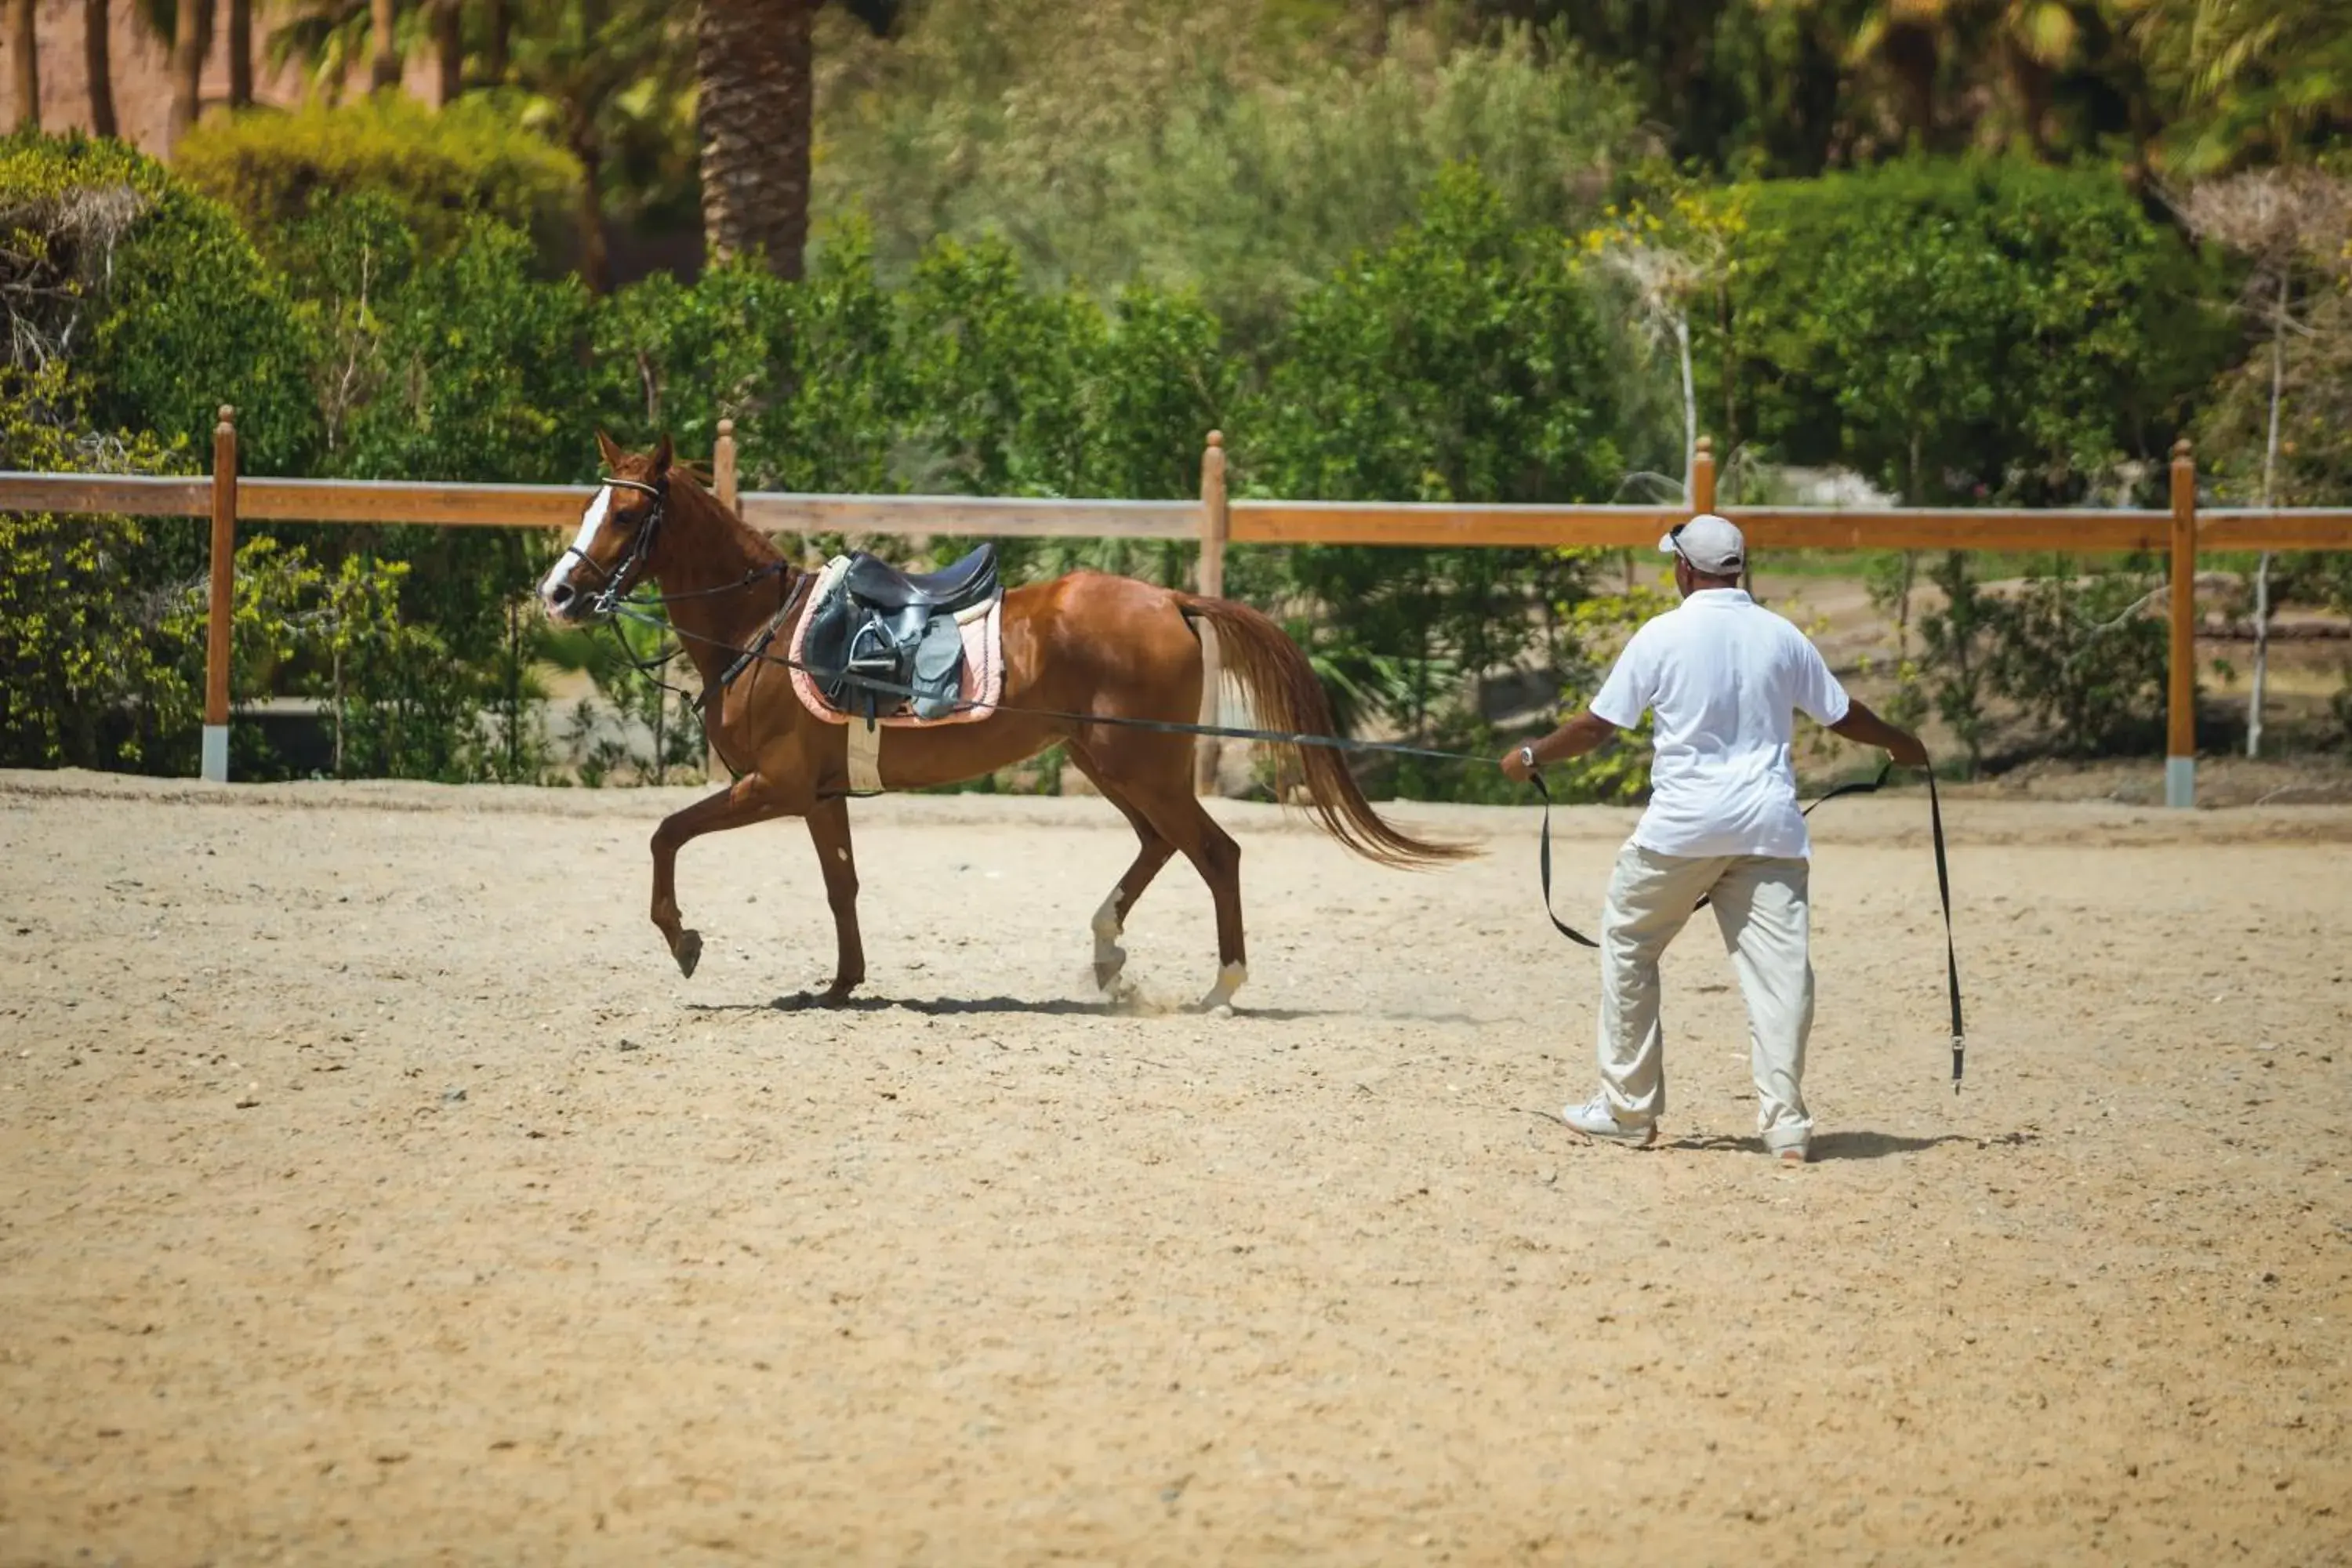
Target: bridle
(613,584)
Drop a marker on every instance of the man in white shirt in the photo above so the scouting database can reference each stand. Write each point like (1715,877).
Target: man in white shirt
(1726,678)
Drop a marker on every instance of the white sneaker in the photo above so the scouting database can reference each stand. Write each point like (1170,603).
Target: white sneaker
(1595,1119)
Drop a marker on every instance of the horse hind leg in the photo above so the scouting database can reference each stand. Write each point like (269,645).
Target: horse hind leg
(1153,852)
(1164,797)
(1219,860)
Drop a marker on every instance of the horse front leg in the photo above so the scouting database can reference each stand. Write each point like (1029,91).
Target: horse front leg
(744,802)
(829,831)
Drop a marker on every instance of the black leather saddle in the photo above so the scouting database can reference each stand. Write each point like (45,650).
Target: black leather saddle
(967,583)
(882,641)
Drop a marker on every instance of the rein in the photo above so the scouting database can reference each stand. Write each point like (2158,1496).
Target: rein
(758,654)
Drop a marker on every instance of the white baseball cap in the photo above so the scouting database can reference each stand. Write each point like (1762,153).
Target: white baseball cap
(1713,545)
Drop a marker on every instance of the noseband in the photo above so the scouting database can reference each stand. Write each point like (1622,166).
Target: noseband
(615,583)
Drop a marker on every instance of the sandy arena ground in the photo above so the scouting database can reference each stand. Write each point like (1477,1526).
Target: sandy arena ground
(376,1191)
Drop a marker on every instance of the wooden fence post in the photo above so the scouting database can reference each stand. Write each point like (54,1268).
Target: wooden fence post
(222,591)
(1215,524)
(723,464)
(1702,496)
(2181,726)
(722,484)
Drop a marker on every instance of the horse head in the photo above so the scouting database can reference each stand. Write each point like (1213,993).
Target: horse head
(616,537)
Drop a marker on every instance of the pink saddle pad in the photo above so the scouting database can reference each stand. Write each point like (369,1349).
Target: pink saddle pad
(982,679)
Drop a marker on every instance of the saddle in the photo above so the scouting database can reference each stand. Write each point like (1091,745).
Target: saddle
(880,642)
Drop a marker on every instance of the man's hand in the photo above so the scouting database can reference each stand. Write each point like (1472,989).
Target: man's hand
(1861,724)
(1585,732)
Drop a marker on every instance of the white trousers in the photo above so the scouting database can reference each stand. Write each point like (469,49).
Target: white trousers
(1759,906)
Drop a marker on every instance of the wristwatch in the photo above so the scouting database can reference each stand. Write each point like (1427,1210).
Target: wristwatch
(1527,756)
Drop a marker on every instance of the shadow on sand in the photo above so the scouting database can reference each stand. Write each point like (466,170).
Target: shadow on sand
(1854,1145)
(965,1006)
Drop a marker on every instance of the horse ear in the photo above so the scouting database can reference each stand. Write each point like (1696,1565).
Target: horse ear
(612,451)
(662,456)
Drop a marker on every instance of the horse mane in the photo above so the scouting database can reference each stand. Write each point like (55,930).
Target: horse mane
(687,481)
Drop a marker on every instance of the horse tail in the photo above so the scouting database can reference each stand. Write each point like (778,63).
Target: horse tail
(1285,696)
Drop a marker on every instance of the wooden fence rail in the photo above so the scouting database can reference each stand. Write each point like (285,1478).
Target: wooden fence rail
(1215,520)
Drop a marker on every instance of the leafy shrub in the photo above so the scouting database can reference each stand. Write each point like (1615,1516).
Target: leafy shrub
(2080,659)
(65,205)
(483,373)
(811,373)
(439,171)
(92,672)
(1952,637)
(1959,330)
(162,306)
(1462,363)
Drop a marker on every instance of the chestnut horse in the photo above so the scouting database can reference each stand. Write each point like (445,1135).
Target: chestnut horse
(1084,646)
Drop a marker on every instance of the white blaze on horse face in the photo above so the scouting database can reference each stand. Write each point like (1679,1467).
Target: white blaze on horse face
(591,522)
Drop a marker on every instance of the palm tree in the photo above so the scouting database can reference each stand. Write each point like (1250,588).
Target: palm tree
(383,27)
(599,70)
(756,97)
(240,54)
(448,49)
(24,57)
(97,53)
(1922,43)
(191,37)
(2261,80)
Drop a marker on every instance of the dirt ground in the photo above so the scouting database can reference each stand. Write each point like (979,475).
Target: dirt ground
(376,1191)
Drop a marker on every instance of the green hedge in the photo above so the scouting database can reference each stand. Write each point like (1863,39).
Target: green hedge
(1960,330)
(439,171)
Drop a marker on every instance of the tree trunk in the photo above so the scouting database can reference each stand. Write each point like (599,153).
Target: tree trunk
(1911,53)
(191,36)
(752,61)
(383,22)
(1690,408)
(448,51)
(98,64)
(594,272)
(2030,89)
(2263,568)
(240,54)
(495,22)
(24,62)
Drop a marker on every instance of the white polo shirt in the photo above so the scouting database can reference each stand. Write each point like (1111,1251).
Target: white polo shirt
(1726,677)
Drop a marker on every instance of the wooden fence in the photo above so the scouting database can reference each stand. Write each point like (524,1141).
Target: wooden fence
(1214,521)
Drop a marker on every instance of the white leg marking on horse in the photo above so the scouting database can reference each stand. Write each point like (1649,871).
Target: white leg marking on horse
(590,522)
(1230,979)
(1109,957)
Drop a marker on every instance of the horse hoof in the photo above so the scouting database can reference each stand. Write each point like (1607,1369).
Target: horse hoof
(836,994)
(1107,971)
(1218,1002)
(687,951)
